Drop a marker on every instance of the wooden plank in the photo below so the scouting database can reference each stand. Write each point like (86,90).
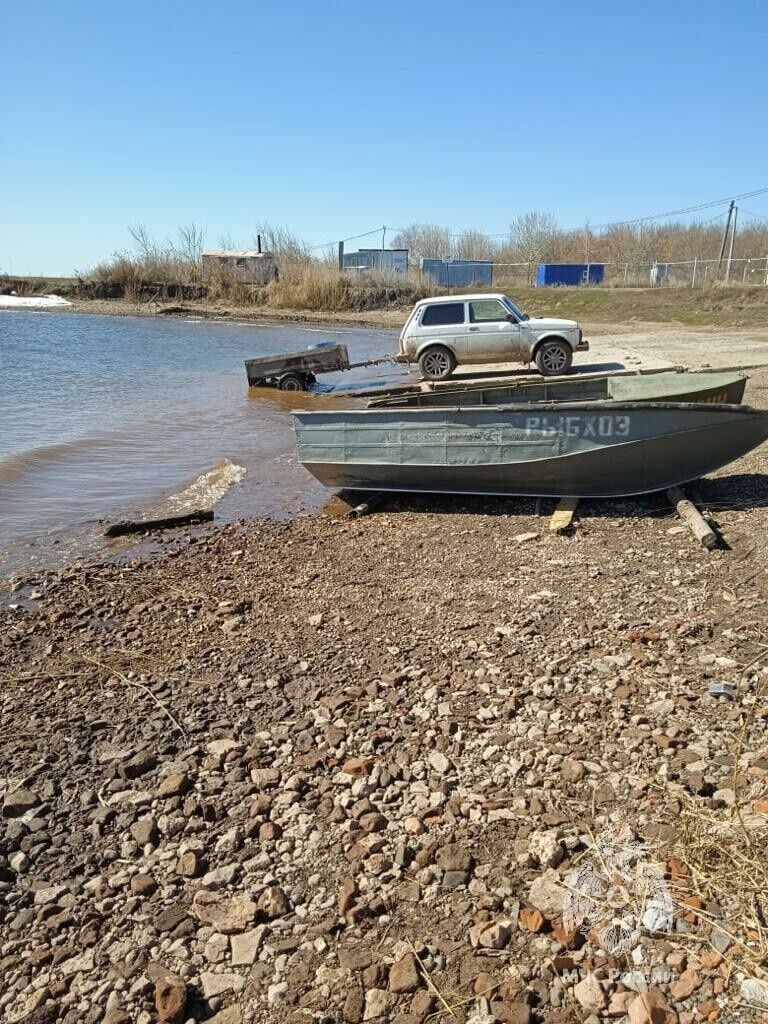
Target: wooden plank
(562,517)
(692,518)
(165,523)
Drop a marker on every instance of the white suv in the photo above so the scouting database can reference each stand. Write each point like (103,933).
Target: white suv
(443,333)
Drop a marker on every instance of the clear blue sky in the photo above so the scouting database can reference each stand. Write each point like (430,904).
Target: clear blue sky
(333,117)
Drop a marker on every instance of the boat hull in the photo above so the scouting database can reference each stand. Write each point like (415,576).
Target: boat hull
(719,388)
(589,450)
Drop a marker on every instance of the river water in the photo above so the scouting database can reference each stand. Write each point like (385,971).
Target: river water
(110,417)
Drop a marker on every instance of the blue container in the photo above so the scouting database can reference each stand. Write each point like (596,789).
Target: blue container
(572,274)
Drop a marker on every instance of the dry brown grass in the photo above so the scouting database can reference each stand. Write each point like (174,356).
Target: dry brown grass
(321,287)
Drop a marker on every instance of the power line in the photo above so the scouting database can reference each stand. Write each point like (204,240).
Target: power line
(592,227)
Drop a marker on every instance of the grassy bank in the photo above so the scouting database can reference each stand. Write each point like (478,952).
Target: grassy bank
(321,293)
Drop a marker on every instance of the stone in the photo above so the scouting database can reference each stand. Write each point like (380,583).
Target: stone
(228,914)
(531,919)
(170,918)
(245,947)
(404,974)
(347,894)
(378,1003)
(265,778)
(116,1016)
(439,762)
(18,862)
(453,879)
(176,784)
(354,1006)
(269,831)
(490,935)
(648,1008)
(422,1004)
(572,771)
(590,995)
(170,999)
(686,984)
(508,1011)
(545,848)
(454,857)
(754,992)
(143,885)
(273,902)
(137,765)
(276,993)
(618,1004)
(144,831)
(190,864)
(19,802)
(357,767)
(215,984)
(547,894)
(231,1015)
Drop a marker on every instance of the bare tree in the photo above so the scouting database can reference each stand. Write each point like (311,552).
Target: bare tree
(283,242)
(532,236)
(191,242)
(145,245)
(422,240)
(474,245)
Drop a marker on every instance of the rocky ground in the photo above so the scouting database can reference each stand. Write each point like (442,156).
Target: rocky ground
(344,770)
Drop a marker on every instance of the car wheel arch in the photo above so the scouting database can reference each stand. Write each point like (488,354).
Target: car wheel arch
(430,343)
(549,337)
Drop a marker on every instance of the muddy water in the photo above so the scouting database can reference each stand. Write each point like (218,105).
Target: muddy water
(105,417)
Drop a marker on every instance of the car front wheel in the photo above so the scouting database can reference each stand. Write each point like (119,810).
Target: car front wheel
(554,357)
(437,363)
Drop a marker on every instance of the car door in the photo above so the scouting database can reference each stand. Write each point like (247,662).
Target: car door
(445,323)
(492,337)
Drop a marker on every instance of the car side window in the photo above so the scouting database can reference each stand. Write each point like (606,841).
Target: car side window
(485,310)
(443,314)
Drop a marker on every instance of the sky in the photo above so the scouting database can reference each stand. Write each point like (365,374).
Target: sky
(332,118)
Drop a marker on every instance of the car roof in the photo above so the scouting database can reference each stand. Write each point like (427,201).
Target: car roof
(462,298)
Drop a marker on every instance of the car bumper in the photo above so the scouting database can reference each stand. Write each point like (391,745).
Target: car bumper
(583,346)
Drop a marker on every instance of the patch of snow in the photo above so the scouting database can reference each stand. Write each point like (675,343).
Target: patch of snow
(32,301)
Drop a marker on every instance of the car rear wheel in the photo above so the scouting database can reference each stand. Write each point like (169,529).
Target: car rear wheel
(554,357)
(437,363)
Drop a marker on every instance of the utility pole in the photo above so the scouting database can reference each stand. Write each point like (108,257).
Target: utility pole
(383,236)
(730,250)
(341,256)
(725,236)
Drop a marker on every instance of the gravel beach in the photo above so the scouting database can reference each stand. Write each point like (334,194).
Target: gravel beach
(368,770)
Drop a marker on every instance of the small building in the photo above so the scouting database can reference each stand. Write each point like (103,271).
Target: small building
(249,266)
(393,261)
(451,273)
(571,274)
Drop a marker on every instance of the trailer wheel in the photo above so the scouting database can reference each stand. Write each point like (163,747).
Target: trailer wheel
(293,382)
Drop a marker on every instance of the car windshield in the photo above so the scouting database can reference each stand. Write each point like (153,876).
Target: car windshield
(515,309)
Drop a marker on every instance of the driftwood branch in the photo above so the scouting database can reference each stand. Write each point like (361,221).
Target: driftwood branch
(692,518)
(204,515)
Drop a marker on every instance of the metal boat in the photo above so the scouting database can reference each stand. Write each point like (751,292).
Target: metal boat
(636,387)
(584,449)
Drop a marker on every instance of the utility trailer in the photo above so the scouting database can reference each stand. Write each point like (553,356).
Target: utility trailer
(295,371)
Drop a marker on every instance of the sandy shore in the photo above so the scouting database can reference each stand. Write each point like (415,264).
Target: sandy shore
(344,770)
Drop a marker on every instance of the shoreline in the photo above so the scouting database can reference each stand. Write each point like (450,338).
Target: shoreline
(349,731)
(599,311)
